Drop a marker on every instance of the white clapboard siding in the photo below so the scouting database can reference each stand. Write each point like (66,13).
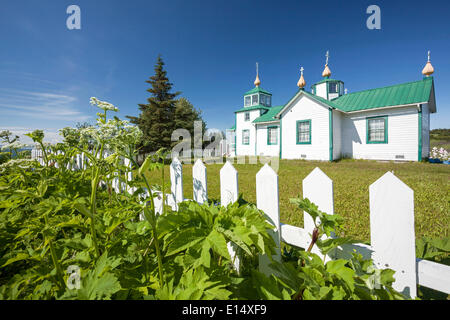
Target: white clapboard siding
(199,182)
(267,200)
(392,230)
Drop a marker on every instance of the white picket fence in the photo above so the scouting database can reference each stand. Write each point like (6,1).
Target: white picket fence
(392,234)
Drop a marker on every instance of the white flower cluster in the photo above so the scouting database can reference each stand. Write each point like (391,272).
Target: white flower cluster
(13,145)
(21,163)
(106,106)
(113,133)
(440,154)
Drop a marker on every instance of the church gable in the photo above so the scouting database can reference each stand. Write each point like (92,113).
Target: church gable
(386,123)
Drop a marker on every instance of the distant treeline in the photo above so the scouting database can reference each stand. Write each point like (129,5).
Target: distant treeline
(440,133)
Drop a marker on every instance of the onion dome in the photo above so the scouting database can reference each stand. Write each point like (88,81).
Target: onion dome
(326,72)
(301,82)
(428,70)
(257,81)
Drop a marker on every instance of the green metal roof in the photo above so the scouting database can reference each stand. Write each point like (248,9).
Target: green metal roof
(327,80)
(233,128)
(257,90)
(401,94)
(312,96)
(269,115)
(257,107)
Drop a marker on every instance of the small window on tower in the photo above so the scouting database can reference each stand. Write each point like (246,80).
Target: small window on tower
(268,98)
(262,100)
(333,88)
(254,99)
(247,101)
(247,116)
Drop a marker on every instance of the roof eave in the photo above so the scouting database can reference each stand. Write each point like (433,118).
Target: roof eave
(387,107)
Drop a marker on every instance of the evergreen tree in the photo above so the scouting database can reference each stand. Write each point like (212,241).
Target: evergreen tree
(156,119)
(185,116)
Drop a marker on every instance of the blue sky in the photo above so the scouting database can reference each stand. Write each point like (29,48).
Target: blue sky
(48,73)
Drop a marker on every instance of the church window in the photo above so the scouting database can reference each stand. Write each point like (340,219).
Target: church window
(304,132)
(247,101)
(262,99)
(333,88)
(272,135)
(254,99)
(376,130)
(247,116)
(246,137)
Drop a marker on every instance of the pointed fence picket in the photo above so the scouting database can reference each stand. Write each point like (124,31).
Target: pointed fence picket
(318,188)
(267,200)
(391,219)
(392,230)
(176,181)
(199,182)
(229,190)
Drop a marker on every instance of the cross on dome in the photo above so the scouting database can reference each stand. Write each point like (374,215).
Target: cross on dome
(428,70)
(301,82)
(326,72)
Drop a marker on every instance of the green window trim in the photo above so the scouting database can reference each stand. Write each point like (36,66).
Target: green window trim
(385,141)
(310,137)
(248,142)
(330,128)
(268,138)
(281,137)
(420,133)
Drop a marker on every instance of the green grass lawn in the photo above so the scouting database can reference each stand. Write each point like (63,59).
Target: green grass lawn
(430,182)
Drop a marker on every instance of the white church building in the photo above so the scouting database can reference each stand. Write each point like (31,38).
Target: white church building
(388,123)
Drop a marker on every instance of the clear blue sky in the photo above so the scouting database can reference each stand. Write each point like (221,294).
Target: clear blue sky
(48,73)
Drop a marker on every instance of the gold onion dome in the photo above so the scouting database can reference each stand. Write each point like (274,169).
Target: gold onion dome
(428,70)
(301,82)
(326,72)
(257,81)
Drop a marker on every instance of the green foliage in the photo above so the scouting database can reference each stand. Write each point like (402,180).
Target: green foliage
(434,249)
(156,119)
(53,219)
(163,114)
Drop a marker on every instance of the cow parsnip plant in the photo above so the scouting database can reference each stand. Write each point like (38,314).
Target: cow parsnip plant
(54,219)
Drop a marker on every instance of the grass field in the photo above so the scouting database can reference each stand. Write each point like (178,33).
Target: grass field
(440,138)
(430,182)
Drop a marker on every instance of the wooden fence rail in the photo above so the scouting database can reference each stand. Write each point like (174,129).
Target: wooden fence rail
(392,235)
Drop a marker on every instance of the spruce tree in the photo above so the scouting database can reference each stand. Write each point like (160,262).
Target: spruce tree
(185,116)
(157,117)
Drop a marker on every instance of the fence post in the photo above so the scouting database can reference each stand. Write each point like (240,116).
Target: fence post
(229,189)
(199,182)
(318,188)
(176,181)
(267,200)
(392,234)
